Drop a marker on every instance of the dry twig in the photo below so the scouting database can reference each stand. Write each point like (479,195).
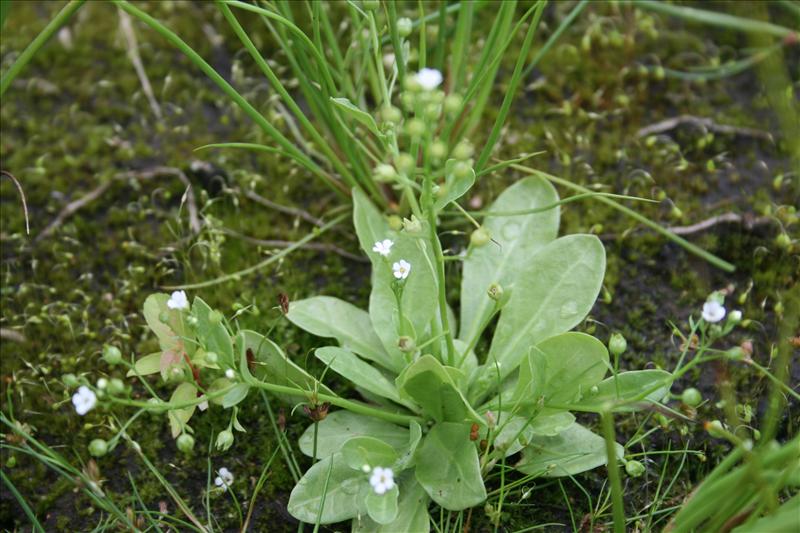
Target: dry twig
(22,197)
(126,27)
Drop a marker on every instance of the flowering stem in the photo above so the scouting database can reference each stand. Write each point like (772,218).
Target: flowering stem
(354,407)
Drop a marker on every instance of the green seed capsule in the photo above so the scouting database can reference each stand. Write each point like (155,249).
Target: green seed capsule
(480,237)
(185,443)
(98,448)
(112,355)
(617,344)
(634,468)
(692,397)
(404,26)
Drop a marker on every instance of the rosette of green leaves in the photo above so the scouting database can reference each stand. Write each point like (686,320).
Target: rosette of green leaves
(534,374)
(196,347)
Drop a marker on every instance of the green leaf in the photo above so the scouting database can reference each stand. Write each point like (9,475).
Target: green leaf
(352,111)
(783,519)
(630,385)
(430,384)
(360,451)
(454,187)
(414,436)
(571,452)
(554,291)
(213,335)
(144,366)
(340,426)
(518,239)
(517,432)
(448,468)
(342,500)
(216,386)
(330,317)
(154,306)
(412,512)
(271,365)
(382,508)
(419,302)
(348,365)
(235,395)
(570,363)
(185,392)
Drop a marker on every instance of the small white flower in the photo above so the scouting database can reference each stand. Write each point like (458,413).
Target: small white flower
(382,480)
(401,269)
(230,374)
(383,247)
(84,400)
(713,311)
(178,300)
(224,479)
(429,78)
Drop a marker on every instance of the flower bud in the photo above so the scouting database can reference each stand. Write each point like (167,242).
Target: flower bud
(385,173)
(98,448)
(366,468)
(192,321)
(215,317)
(691,397)
(412,225)
(185,443)
(495,291)
(415,128)
(112,355)
(70,380)
(404,26)
(453,103)
(212,358)
(634,468)
(102,383)
(405,163)
(735,316)
(432,112)
(463,151)
(408,100)
(617,344)
(736,354)
(395,222)
(480,237)
(438,150)
(116,387)
(224,439)
(391,114)
(406,344)
(461,170)
(715,428)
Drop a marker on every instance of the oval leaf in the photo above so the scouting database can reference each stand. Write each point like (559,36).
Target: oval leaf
(448,468)
(331,317)
(340,486)
(518,238)
(360,451)
(348,365)
(571,452)
(625,387)
(339,426)
(555,290)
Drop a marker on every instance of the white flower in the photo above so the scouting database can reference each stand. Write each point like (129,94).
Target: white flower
(383,247)
(429,78)
(401,269)
(224,479)
(230,373)
(178,300)
(382,479)
(713,311)
(84,400)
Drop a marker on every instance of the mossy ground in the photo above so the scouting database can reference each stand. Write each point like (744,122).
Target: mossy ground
(77,117)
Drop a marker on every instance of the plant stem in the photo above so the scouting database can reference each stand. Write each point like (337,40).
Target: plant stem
(52,27)
(607,421)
